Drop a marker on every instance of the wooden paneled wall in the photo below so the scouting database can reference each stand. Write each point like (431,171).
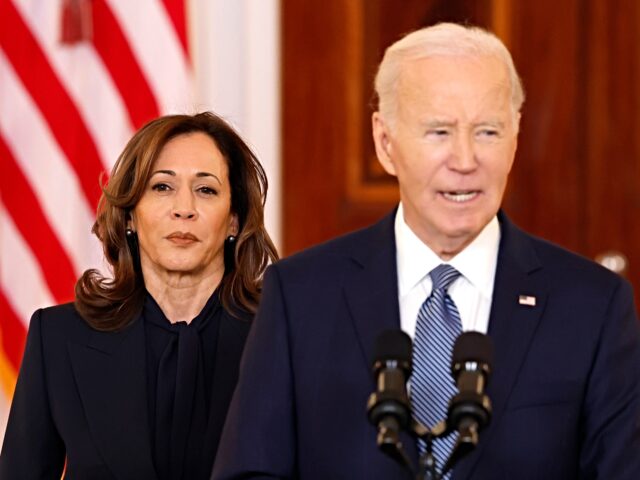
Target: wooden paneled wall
(577,173)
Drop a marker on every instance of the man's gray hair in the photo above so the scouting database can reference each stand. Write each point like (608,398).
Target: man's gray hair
(443,39)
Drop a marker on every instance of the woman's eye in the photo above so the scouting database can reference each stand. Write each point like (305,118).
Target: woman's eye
(208,191)
(161,187)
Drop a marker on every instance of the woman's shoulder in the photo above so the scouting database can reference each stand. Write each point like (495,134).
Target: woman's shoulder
(65,312)
(63,309)
(60,320)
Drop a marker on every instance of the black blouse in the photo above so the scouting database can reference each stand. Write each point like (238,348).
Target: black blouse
(180,368)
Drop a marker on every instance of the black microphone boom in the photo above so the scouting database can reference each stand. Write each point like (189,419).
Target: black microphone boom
(388,407)
(469,410)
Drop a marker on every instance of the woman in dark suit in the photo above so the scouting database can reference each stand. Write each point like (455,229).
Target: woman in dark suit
(133,379)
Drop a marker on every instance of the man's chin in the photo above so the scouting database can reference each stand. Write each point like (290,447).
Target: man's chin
(463,232)
(463,226)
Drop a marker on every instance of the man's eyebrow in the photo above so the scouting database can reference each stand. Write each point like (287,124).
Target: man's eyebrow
(437,122)
(494,122)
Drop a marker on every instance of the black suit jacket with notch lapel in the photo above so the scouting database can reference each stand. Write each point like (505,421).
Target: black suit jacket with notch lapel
(565,385)
(82,393)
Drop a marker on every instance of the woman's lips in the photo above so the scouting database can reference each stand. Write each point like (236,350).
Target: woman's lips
(182,238)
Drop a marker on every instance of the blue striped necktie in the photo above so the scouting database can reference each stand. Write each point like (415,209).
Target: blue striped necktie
(432,385)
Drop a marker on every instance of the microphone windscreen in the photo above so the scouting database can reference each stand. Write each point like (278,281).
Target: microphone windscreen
(392,345)
(473,347)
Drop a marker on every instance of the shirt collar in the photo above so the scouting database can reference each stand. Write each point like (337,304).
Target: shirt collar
(153,313)
(477,262)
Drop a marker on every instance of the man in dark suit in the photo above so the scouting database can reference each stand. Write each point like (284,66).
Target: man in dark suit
(565,385)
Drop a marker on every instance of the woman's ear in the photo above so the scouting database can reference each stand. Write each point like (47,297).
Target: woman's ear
(131,222)
(234,225)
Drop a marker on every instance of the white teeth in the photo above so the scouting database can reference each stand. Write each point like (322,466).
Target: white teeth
(459,196)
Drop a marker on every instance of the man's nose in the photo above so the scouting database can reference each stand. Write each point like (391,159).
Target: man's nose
(463,156)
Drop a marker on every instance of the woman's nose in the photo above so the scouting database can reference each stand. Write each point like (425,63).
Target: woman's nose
(184,207)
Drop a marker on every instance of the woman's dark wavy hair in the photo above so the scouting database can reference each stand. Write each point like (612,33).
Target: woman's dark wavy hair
(110,304)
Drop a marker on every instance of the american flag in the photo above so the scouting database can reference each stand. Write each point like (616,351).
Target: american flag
(77,78)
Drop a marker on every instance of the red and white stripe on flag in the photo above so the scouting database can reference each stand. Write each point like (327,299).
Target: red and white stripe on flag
(77,78)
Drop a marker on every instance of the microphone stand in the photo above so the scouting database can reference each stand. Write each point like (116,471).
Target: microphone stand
(467,413)
(428,464)
(389,442)
(469,410)
(467,440)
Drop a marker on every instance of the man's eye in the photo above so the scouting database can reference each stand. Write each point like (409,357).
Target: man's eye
(489,132)
(438,132)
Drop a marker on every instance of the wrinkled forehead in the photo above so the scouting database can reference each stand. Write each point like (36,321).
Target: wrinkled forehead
(443,70)
(481,81)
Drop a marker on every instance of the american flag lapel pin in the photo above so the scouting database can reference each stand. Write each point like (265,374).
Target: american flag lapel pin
(527,300)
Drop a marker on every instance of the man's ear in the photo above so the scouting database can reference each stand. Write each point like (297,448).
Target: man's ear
(382,141)
(515,142)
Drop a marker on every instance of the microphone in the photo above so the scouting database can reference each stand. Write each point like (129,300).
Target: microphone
(388,407)
(469,410)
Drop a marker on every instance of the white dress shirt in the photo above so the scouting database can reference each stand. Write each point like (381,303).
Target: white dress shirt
(471,291)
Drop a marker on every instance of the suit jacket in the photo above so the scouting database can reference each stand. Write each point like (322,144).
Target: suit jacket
(565,385)
(82,393)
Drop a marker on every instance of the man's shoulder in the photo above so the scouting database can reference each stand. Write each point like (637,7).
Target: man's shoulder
(553,254)
(355,246)
(563,265)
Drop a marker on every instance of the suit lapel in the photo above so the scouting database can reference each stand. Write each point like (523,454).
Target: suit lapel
(371,287)
(111,378)
(371,292)
(512,324)
(372,297)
